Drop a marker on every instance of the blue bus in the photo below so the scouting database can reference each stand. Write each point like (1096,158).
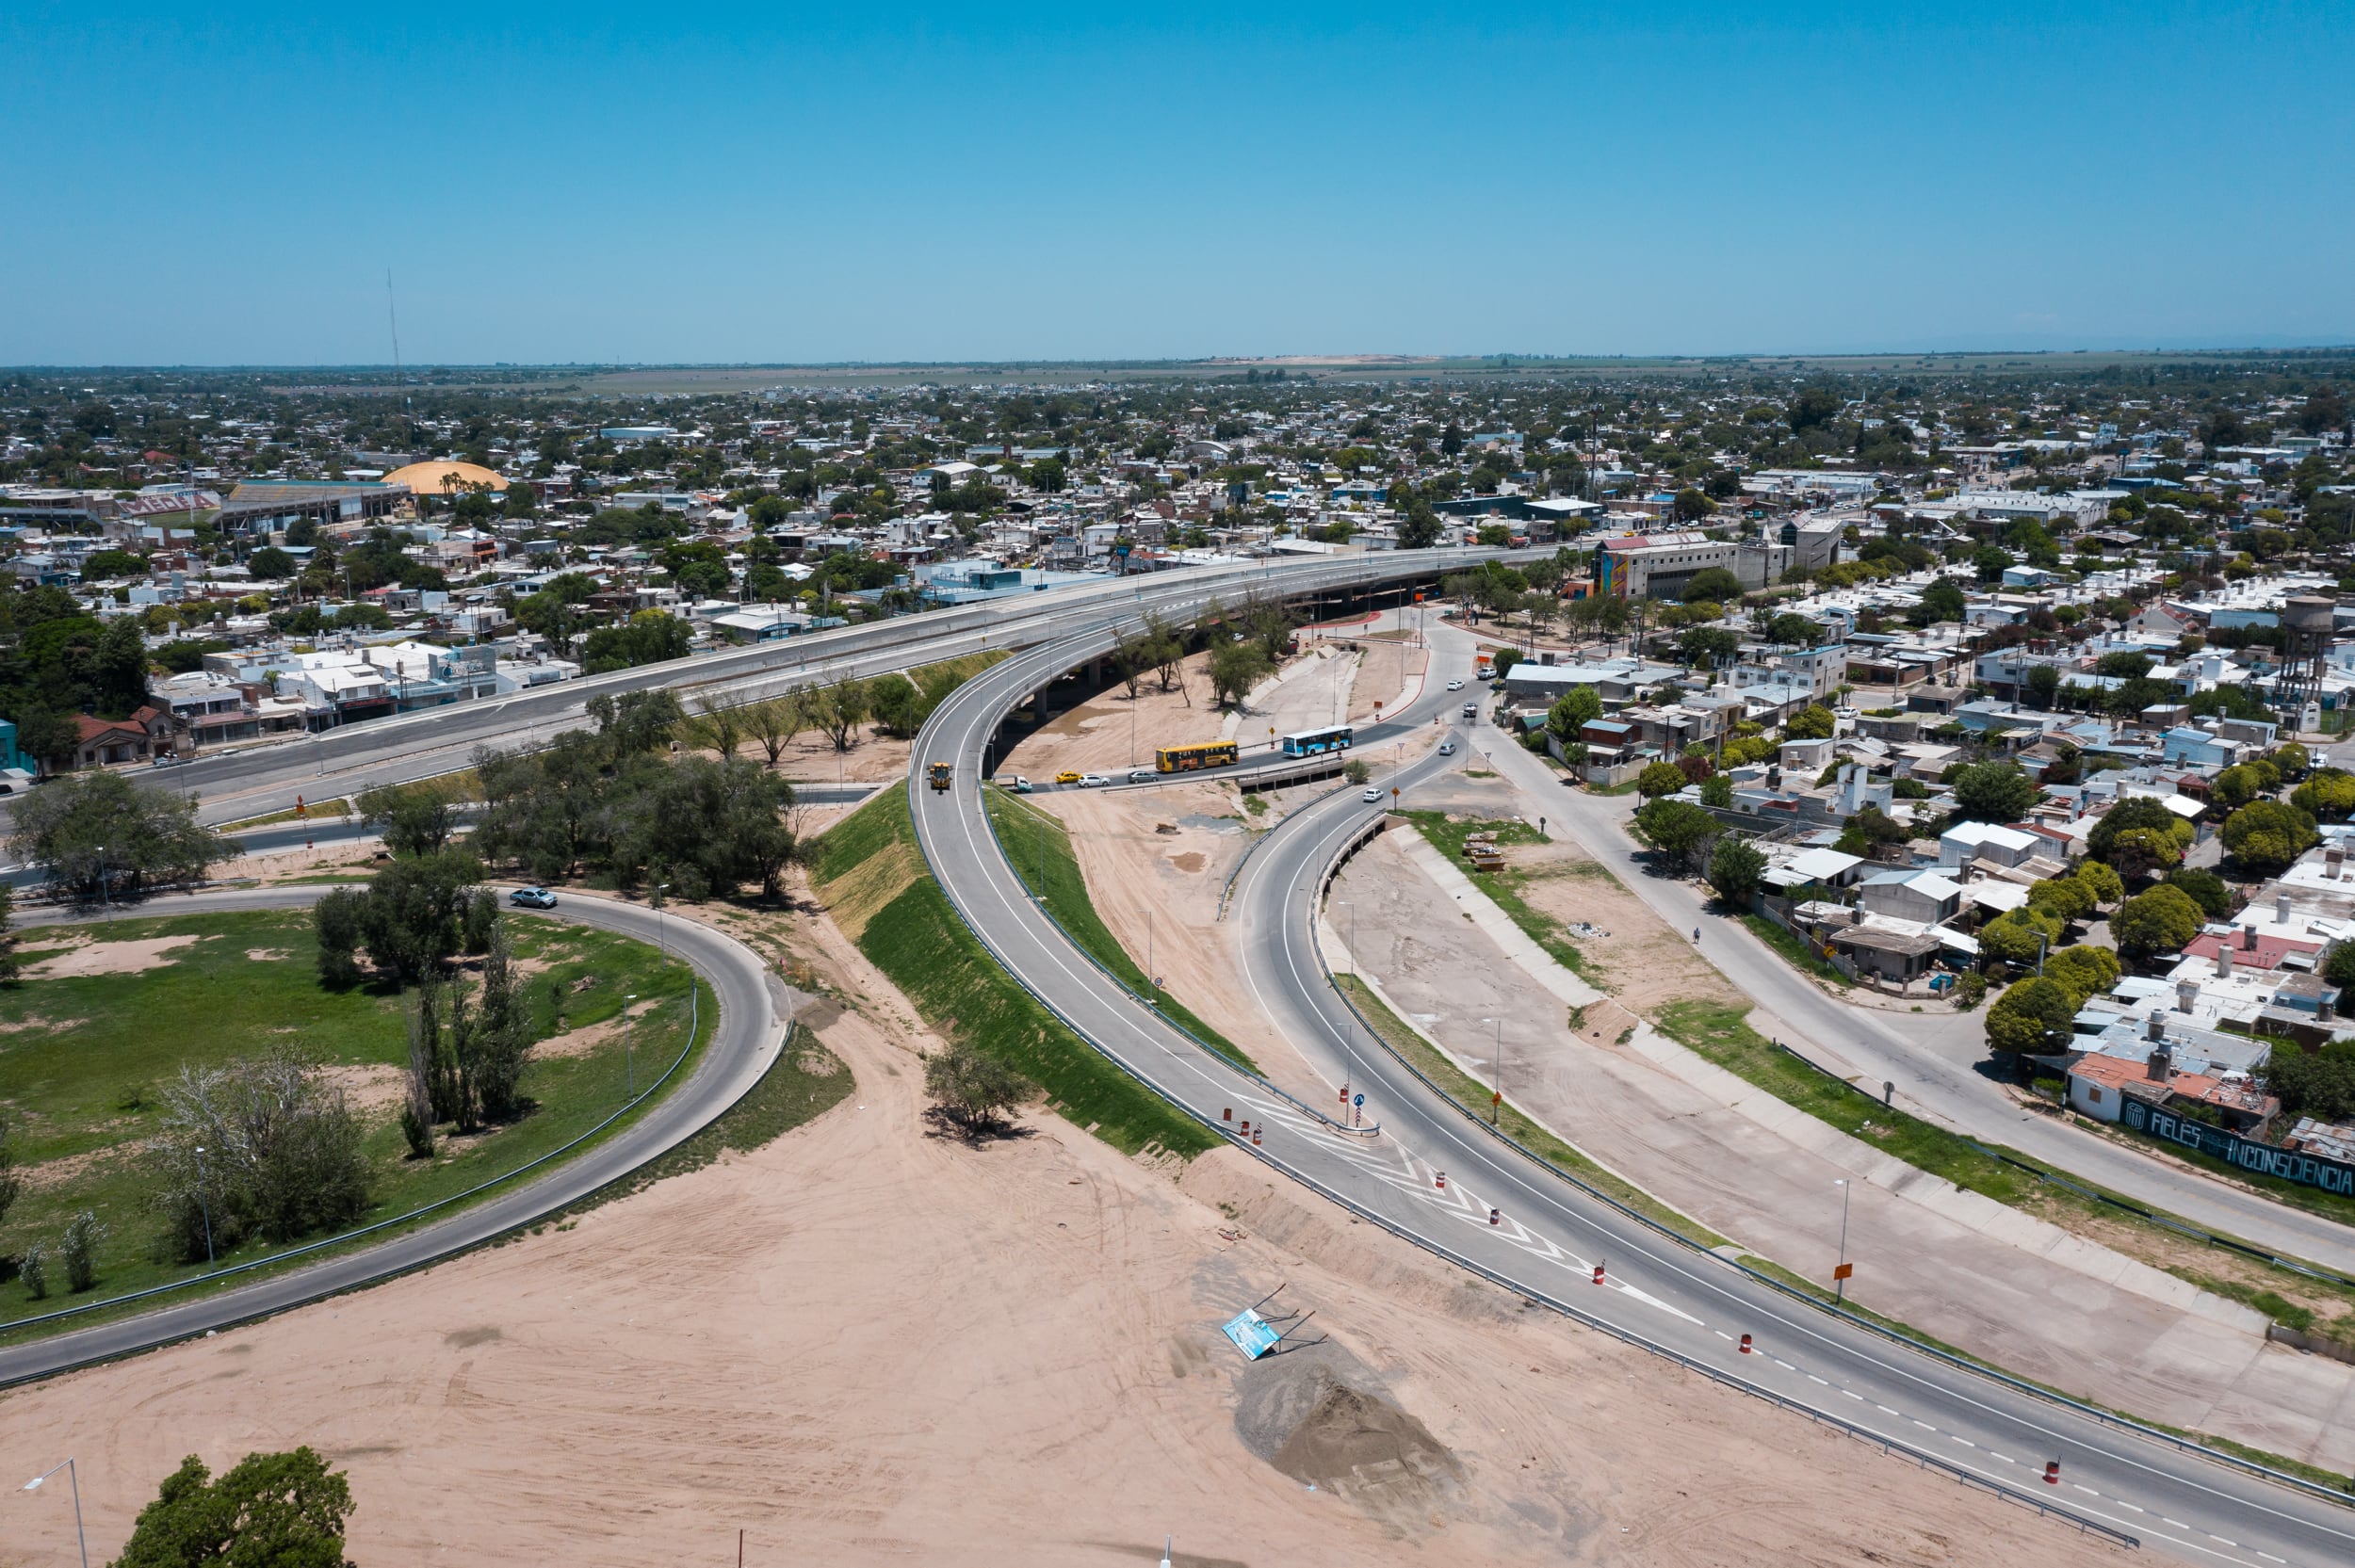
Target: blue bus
(1308,743)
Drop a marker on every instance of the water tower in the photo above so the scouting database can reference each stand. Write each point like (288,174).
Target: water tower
(2308,622)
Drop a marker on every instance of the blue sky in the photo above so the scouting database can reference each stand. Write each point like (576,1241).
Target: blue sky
(692,182)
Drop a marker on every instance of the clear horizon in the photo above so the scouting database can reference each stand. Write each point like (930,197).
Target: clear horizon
(729,187)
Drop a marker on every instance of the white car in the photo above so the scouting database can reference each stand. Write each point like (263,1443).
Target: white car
(1456,686)
(1447,748)
(1370,795)
(1088,781)
(1142,775)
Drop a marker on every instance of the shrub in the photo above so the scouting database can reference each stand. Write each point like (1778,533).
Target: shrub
(79,1248)
(32,1270)
(974,1089)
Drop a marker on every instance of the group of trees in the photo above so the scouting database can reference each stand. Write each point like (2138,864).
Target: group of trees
(102,834)
(57,661)
(269,1510)
(258,1147)
(466,1050)
(616,802)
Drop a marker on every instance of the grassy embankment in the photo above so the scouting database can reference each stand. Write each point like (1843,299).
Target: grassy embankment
(1721,1034)
(1039,847)
(867,870)
(84,1061)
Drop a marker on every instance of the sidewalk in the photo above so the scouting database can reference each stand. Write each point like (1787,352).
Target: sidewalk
(2001,1284)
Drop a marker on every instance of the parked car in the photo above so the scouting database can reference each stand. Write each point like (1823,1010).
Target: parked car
(1067,776)
(533,897)
(1088,781)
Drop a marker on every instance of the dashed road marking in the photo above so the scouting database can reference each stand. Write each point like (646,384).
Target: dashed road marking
(1853,1395)
(2221,1542)
(2004,1458)
(2176,1524)
(1813,1378)
(1966,1442)
(1722,1335)
(1885,1410)
(1784,1365)
(2086,1490)
(2124,1504)
(1924,1425)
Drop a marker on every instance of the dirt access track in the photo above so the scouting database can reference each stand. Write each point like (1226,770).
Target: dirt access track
(866,1343)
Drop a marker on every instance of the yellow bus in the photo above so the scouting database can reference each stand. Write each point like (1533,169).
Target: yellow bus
(1185,759)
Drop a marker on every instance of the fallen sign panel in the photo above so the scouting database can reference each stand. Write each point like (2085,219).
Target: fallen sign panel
(1253,1334)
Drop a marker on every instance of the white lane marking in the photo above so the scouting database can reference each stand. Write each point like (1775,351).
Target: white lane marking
(2221,1542)
(1885,1410)
(1722,1335)
(1924,1425)
(1853,1395)
(2124,1504)
(2178,1524)
(2006,1458)
(1813,1378)
(2084,1488)
(1964,1441)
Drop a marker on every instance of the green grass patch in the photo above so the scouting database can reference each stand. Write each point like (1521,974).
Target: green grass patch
(1470,1093)
(1722,1034)
(84,1062)
(1795,952)
(1503,887)
(1039,847)
(918,942)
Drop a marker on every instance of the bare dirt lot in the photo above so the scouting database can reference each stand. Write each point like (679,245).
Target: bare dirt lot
(1108,733)
(864,1343)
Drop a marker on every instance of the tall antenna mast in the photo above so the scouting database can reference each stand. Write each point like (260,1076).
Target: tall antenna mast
(393,316)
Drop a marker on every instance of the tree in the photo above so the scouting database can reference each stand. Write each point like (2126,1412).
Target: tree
(2159,920)
(1235,668)
(272,1511)
(271,563)
(897,707)
(2036,1017)
(2209,891)
(2265,836)
(416,819)
(81,825)
(418,913)
(1943,601)
(1735,868)
(10,1182)
(1677,828)
(838,710)
(773,724)
(1994,792)
(1812,723)
(2327,796)
(2139,811)
(1707,645)
(1658,779)
(2043,681)
(636,721)
(1572,712)
(974,1089)
(1717,790)
(1419,526)
(282,1154)
(2086,970)
(649,637)
(2018,936)
(2105,884)
(2065,898)
(2319,1084)
(1714,585)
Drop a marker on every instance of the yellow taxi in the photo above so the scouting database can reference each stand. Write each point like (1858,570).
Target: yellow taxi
(1067,776)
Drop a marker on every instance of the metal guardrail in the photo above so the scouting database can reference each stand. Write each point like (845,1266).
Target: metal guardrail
(1446,1254)
(694,1028)
(2106,1417)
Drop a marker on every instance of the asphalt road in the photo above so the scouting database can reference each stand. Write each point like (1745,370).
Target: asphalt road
(259,781)
(1550,1234)
(1932,1058)
(742,1042)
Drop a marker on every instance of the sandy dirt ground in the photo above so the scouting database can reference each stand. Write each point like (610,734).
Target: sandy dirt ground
(1746,1181)
(89,957)
(1105,732)
(867,1344)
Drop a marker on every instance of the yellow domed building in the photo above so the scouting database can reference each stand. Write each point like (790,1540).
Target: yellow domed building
(446,480)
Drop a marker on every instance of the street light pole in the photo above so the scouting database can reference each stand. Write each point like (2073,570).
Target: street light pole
(1496,1072)
(629,1038)
(1840,1275)
(661,936)
(74,1479)
(104,901)
(204,1201)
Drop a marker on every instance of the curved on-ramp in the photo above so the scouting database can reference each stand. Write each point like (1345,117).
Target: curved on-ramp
(743,1040)
(1519,1223)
